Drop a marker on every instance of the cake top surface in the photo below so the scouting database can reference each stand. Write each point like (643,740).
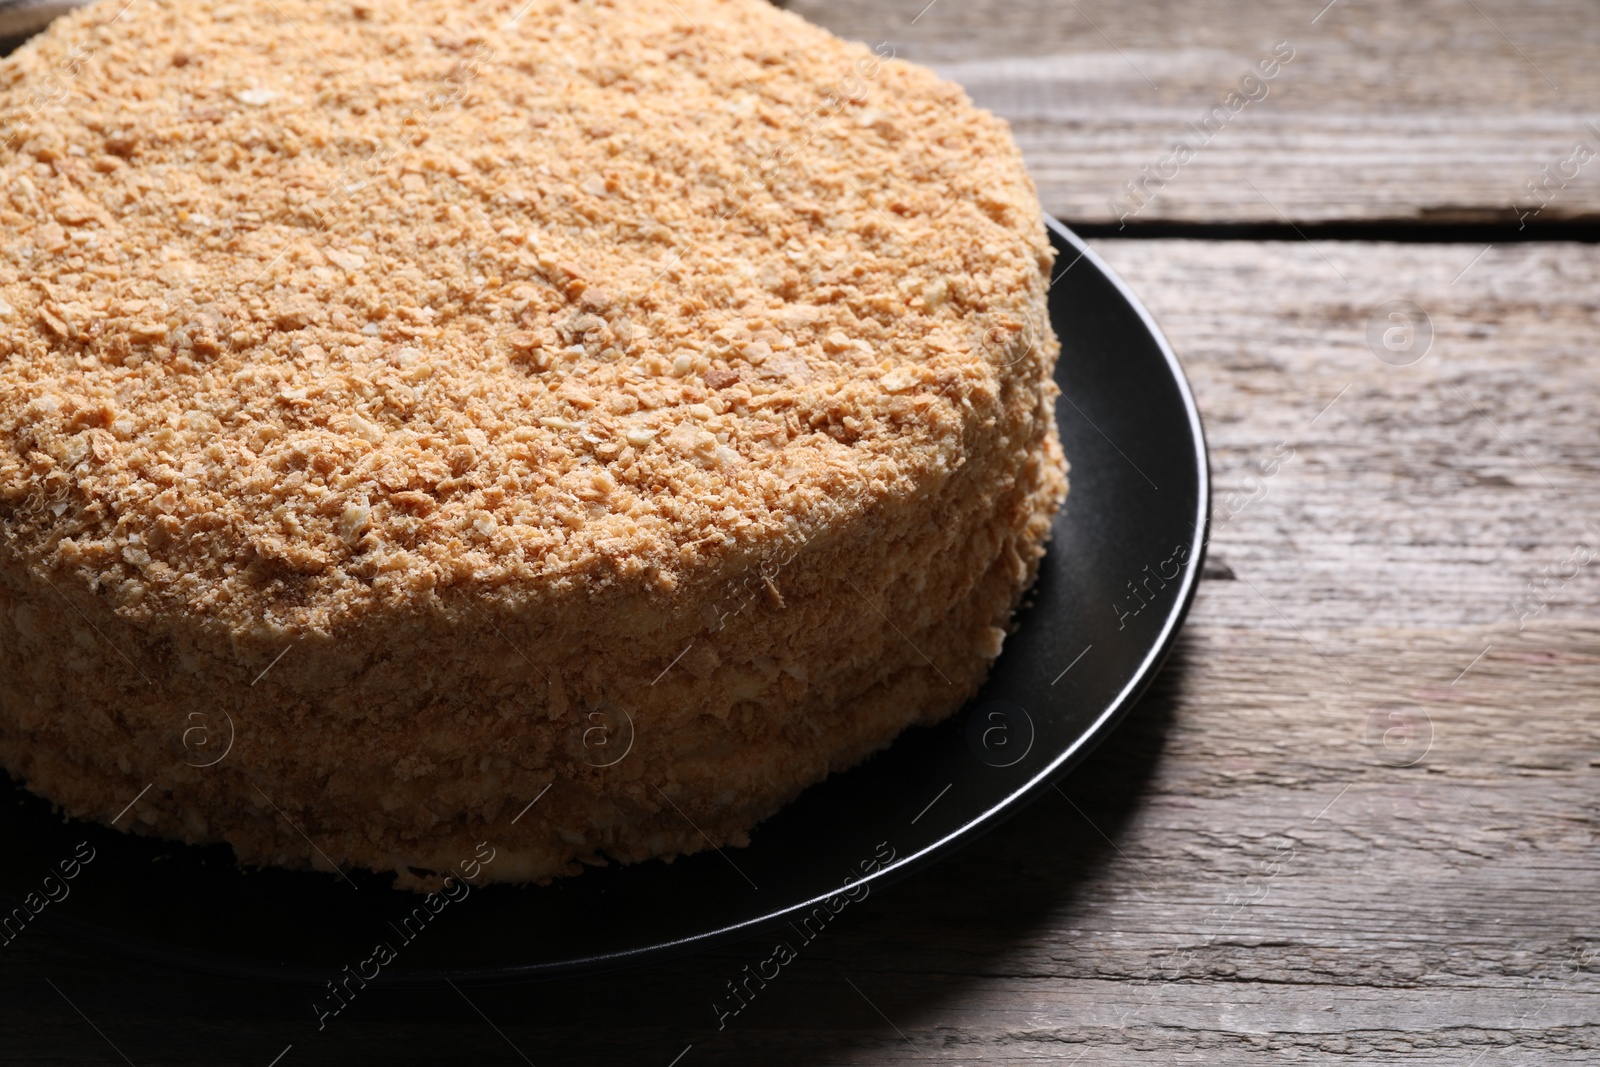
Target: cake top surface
(309,309)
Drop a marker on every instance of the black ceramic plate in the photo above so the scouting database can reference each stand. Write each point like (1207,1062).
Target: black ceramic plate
(1112,593)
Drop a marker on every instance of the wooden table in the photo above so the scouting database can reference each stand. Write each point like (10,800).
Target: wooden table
(1355,822)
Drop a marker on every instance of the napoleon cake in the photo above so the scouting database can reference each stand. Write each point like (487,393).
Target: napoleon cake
(409,411)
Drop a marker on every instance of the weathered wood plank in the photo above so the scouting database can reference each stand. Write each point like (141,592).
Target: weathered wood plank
(1244,873)
(1432,111)
(1428,494)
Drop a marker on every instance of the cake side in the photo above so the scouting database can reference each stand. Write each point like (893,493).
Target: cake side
(393,748)
(851,654)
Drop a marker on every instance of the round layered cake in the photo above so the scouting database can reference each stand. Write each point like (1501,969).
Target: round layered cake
(413,411)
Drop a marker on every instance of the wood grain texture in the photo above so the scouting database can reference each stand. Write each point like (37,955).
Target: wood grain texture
(1245,872)
(1440,110)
